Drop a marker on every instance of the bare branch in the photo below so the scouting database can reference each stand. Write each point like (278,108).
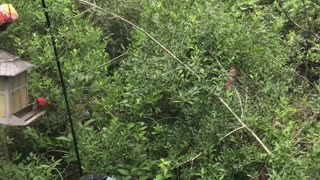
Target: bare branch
(245,126)
(237,129)
(189,160)
(106,63)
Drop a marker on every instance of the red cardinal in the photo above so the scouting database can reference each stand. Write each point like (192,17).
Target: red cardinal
(42,103)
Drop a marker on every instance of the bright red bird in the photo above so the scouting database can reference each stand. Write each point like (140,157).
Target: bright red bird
(42,103)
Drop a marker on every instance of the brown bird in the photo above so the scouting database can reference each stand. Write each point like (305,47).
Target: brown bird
(231,78)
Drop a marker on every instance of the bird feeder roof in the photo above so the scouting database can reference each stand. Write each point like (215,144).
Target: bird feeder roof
(11,65)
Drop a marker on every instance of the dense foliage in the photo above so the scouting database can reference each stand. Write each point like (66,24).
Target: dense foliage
(145,111)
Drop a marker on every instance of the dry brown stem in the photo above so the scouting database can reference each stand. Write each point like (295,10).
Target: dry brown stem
(245,126)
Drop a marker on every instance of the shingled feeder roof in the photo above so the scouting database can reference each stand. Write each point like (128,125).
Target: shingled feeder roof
(11,65)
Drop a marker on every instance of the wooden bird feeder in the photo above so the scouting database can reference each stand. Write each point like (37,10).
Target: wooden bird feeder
(14,108)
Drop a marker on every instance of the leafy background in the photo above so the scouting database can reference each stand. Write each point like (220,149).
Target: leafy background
(142,114)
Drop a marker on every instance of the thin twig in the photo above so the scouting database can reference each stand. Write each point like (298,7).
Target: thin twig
(295,23)
(81,14)
(109,61)
(297,73)
(60,151)
(246,99)
(289,18)
(237,129)
(245,126)
(240,102)
(60,175)
(195,157)
(144,32)
(304,127)
(189,160)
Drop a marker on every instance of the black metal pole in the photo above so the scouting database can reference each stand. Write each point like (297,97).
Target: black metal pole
(64,89)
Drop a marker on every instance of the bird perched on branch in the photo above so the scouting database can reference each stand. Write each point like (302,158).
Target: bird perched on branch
(8,15)
(231,79)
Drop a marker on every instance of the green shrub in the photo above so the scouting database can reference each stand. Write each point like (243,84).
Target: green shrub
(152,115)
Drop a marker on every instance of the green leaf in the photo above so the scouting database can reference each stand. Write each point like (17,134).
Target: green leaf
(123,172)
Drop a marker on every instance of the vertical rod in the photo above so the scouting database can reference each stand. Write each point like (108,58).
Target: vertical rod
(64,89)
